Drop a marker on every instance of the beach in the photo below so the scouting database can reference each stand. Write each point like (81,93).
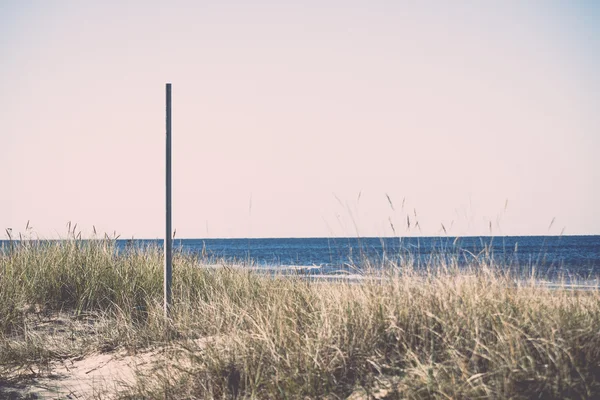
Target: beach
(80,319)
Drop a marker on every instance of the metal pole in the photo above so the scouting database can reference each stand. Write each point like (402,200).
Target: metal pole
(169,230)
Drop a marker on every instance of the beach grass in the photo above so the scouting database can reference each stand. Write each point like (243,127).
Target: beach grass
(474,331)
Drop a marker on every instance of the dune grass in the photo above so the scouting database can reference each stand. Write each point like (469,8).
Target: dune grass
(448,332)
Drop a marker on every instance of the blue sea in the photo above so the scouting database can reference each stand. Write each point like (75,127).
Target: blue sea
(549,256)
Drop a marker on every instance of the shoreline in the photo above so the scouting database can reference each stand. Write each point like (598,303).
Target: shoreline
(72,311)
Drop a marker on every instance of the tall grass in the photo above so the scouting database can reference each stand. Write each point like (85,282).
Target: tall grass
(475,332)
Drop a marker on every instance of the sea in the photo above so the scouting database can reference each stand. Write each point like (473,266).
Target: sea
(545,256)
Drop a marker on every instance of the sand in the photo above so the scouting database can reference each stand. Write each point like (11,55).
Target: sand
(83,378)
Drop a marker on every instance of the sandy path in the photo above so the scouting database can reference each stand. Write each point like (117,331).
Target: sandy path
(96,375)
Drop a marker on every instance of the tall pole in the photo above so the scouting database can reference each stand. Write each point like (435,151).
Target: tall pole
(169,230)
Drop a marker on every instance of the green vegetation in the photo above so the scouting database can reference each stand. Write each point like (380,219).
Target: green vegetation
(399,333)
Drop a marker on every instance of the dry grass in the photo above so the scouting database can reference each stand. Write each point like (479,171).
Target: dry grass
(446,333)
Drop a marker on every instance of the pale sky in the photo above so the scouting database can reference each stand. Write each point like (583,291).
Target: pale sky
(284,112)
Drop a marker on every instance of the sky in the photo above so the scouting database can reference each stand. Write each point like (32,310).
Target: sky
(301,119)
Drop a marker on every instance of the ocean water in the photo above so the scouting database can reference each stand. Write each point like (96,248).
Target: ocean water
(550,256)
